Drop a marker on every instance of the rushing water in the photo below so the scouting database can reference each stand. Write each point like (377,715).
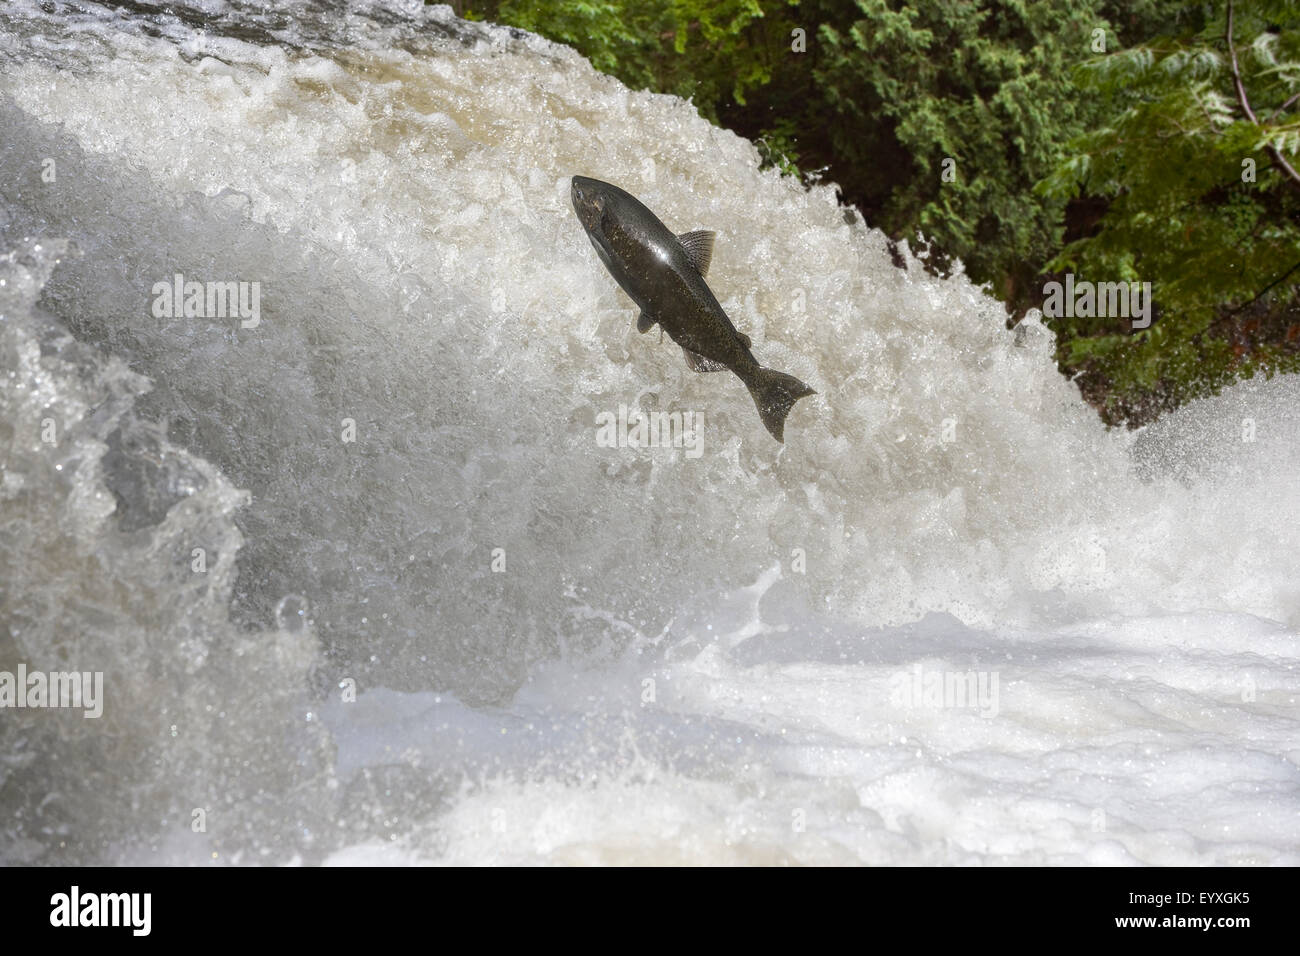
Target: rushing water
(365,584)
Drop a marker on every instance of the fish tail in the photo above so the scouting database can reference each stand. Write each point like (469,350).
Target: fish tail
(775,394)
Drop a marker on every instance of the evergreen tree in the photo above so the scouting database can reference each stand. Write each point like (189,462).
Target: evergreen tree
(1195,164)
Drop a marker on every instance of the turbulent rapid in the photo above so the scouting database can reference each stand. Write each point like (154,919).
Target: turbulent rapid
(365,584)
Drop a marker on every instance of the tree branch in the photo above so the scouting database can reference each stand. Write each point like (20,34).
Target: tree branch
(1236,73)
(1283,108)
(1245,105)
(1259,295)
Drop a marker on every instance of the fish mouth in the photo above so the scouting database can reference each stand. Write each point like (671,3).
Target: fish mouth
(583,191)
(586,200)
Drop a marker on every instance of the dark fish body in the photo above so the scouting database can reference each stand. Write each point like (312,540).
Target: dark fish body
(664,275)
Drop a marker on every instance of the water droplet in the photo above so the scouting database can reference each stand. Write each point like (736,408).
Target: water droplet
(291,613)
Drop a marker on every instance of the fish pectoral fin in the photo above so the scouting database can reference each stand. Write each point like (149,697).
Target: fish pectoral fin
(644,323)
(698,363)
(745,338)
(699,248)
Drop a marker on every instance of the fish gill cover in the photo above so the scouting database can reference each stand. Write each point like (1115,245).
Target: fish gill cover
(365,585)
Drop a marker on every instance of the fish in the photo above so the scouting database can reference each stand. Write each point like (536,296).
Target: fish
(664,274)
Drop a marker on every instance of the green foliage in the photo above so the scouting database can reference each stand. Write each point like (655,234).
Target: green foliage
(985,83)
(778,146)
(1169,158)
(708,51)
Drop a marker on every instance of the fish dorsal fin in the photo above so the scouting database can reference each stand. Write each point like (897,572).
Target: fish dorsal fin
(644,323)
(745,338)
(698,363)
(699,248)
